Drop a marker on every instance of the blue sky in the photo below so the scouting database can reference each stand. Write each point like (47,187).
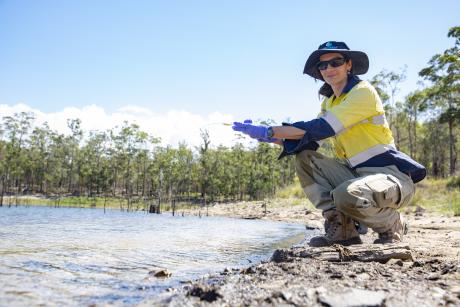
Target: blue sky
(241,59)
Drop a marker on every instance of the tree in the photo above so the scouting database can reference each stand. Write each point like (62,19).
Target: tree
(415,102)
(444,73)
(204,162)
(387,84)
(73,147)
(38,155)
(16,128)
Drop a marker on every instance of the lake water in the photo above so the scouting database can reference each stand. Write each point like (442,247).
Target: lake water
(73,256)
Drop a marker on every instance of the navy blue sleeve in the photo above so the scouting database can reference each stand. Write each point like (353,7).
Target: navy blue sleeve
(315,130)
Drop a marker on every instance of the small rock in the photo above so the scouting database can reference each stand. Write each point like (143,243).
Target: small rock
(282,294)
(419,211)
(394,261)
(336,275)
(408,264)
(204,293)
(226,271)
(249,270)
(363,276)
(352,297)
(280,255)
(161,273)
(455,289)
(438,292)
(433,276)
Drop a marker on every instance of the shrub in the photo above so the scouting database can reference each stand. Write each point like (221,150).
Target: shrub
(291,191)
(454,182)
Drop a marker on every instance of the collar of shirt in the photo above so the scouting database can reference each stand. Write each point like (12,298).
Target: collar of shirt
(352,81)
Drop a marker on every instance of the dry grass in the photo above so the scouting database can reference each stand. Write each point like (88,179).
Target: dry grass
(434,195)
(291,191)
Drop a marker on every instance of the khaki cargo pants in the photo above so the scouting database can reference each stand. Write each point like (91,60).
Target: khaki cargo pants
(369,195)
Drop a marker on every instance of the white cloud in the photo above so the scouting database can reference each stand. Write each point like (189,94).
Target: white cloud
(173,127)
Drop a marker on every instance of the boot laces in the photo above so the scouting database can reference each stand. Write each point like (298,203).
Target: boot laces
(331,226)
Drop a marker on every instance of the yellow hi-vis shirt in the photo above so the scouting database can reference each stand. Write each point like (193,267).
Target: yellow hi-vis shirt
(358,120)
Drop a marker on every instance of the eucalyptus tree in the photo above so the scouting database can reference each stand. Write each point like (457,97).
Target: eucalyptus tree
(415,103)
(56,165)
(240,161)
(220,172)
(127,144)
(72,149)
(444,73)
(387,84)
(142,161)
(182,170)
(38,155)
(434,154)
(93,166)
(16,130)
(205,169)
(141,143)
(2,164)
(169,168)
(260,182)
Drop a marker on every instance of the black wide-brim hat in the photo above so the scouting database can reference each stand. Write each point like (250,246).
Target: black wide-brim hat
(359,59)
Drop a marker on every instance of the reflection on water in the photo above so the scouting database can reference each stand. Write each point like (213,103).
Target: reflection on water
(71,256)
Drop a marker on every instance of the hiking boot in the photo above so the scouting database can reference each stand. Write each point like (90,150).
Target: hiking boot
(340,229)
(394,234)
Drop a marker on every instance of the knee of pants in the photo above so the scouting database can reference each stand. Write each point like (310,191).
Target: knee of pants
(343,200)
(349,199)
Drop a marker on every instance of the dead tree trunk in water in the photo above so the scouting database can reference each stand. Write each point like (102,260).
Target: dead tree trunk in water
(3,190)
(158,209)
(155,208)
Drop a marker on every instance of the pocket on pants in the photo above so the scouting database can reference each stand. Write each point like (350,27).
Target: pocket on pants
(386,191)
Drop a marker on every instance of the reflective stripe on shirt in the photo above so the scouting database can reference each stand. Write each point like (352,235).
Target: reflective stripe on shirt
(335,123)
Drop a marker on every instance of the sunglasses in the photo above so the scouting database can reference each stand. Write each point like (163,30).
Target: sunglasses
(335,62)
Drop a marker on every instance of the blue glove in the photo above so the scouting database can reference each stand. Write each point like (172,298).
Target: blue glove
(255,132)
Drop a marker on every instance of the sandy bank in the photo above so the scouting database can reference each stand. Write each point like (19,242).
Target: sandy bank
(428,274)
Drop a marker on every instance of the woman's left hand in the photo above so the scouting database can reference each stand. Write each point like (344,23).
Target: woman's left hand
(255,132)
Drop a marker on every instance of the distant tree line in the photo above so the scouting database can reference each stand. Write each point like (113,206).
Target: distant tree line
(130,163)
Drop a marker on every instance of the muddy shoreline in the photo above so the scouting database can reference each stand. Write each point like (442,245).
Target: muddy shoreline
(422,271)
